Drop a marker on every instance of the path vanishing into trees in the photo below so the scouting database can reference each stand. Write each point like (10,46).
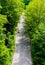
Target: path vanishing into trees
(22,55)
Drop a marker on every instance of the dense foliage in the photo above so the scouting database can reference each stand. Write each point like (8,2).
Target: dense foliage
(26,2)
(35,27)
(10,11)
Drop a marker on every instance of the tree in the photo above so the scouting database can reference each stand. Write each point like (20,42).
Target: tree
(35,27)
(10,11)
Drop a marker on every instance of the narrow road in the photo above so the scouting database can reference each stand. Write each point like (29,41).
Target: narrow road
(22,55)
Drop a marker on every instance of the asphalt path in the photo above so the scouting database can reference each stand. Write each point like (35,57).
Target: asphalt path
(22,54)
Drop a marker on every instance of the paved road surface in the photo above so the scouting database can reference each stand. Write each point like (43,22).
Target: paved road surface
(22,55)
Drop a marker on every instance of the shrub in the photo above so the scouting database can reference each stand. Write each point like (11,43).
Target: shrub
(10,11)
(4,53)
(35,27)
(38,45)
(13,11)
(34,15)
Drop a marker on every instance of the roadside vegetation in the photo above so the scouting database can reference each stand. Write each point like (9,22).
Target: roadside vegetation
(10,11)
(35,28)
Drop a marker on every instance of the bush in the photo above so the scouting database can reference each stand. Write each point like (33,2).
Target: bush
(35,27)
(10,11)
(34,14)
(13,11)
(4,53)
(38,45)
